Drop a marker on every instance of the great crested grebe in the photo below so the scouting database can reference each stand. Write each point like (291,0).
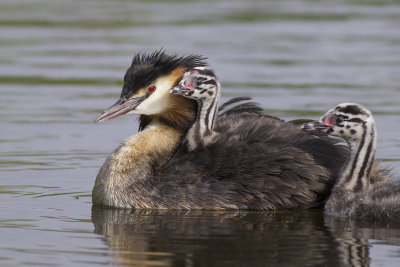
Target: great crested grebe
(257,162)
(353,196)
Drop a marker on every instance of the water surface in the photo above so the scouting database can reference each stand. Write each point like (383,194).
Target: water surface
(62,63)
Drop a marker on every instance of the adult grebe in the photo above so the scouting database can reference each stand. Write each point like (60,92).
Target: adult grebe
(353,196)
(257,162)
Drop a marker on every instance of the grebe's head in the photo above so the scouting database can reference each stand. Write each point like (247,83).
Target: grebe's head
(199,83)
(147,84)
(348,121)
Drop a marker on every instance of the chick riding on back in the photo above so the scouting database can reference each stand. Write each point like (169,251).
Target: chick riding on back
(200,84)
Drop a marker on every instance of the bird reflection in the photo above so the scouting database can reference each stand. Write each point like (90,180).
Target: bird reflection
(188,238)
(198,238)
(352,238)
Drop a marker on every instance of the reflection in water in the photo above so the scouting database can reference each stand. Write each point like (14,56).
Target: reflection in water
(352,237)
(245,238)
(353,249)
(201,237)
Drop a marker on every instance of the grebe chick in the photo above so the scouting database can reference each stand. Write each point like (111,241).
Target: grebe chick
(256,162)
(352,196)
(200,84)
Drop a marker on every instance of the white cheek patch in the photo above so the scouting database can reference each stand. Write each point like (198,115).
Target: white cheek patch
(157,102)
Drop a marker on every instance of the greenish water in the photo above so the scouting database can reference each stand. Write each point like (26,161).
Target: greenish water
(62,63)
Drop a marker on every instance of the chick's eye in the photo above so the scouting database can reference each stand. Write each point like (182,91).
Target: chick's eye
(198,83)
(151,89)
(339,120)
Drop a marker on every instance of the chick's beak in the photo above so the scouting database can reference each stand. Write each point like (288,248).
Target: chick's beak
(180,89)
(121,107)
(328,120)
(321,126)
(184,87)
(315,126)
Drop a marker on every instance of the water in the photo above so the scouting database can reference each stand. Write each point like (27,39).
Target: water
(62,63)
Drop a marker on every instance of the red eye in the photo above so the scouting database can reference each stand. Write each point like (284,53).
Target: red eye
(151,89)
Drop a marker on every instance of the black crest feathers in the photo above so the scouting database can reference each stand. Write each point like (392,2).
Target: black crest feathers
(146,68)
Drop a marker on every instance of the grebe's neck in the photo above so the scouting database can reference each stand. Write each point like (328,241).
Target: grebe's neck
(202,133)
(125,178)
(355,176)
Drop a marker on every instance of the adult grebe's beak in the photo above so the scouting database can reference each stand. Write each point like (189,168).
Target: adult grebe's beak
(121,107)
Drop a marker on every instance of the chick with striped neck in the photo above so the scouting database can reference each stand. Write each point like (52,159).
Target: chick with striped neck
(355,124)
(352,196)
(202,85)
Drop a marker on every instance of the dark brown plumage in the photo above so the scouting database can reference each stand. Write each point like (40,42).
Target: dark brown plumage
(258,162)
